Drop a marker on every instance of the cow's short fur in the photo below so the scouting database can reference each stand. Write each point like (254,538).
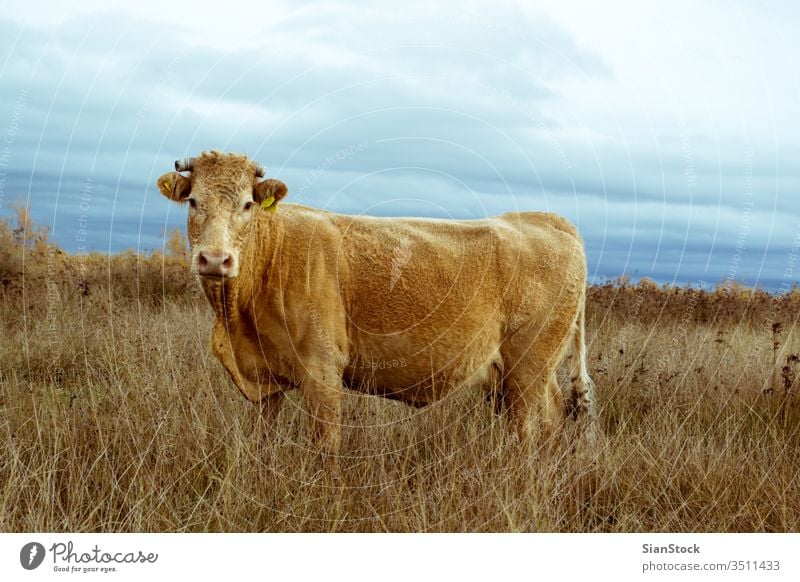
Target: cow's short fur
(406,308)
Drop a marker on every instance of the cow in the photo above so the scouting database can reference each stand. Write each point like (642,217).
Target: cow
(410,309)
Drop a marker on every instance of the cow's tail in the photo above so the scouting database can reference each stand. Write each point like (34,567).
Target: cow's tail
(582,399)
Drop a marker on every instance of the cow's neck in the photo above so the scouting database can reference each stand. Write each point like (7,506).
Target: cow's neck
(224,299)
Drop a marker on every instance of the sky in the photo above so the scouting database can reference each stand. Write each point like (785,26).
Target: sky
(667,132)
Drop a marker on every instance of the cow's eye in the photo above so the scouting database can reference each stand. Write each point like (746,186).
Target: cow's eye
(192,202)
(248,206)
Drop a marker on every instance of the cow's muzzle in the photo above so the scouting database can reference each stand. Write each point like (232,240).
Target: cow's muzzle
(216,264)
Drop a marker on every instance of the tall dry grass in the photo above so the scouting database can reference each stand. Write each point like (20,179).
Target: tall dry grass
(114,416)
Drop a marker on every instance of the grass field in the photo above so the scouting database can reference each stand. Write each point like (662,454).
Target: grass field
(114,416)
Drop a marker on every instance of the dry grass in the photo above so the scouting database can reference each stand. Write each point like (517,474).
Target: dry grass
(115,417)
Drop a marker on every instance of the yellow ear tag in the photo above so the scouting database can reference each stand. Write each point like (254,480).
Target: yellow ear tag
(167,183)
(270,204)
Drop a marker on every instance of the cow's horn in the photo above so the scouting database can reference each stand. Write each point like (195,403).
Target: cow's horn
(260,171)
(184,164)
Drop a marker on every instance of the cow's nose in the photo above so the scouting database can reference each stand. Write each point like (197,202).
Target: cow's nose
(215,264)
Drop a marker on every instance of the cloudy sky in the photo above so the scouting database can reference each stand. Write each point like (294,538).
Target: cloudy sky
(667,131)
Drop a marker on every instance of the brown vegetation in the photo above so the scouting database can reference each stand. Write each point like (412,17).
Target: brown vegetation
(115,416)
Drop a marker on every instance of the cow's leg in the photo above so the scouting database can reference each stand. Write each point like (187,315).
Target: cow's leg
(530,360)
(551,409)
(270,408)
(494,390)
(269,395)
(322,393)
(265,426)
(535,405)
(581,402)
(582,399)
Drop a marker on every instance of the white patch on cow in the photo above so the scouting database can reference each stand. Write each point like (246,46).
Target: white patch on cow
(400,257)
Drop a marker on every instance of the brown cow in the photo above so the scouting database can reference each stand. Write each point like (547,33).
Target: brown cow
(405,308)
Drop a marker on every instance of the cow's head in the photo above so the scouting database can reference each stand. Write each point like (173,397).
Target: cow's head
(224,195)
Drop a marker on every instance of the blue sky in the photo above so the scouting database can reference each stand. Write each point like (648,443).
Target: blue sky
(666,131)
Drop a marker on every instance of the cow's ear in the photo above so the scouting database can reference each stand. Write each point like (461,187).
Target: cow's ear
(269,192)
(175,186)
